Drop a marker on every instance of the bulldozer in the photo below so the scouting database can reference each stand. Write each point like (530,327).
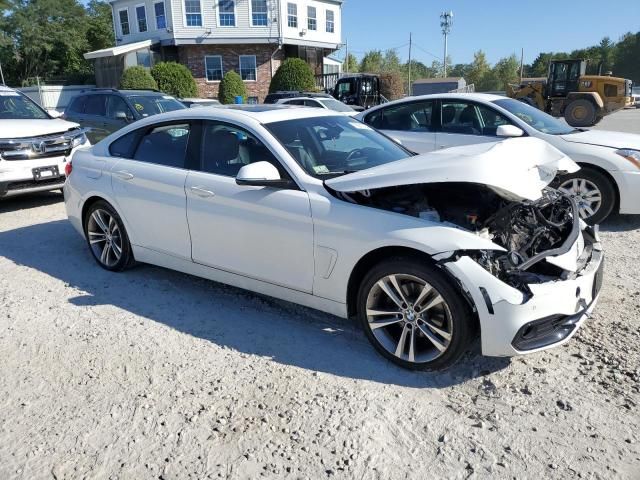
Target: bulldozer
(583,100)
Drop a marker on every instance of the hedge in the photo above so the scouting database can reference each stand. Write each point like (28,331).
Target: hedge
(293,74)
(230,87)
(174,79)
(137,78)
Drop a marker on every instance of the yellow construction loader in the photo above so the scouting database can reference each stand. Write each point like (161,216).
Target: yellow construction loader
(567,92)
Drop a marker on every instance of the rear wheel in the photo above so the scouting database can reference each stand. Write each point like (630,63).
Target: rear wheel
(413,316)
(593,192)
(107,237)
(580,113)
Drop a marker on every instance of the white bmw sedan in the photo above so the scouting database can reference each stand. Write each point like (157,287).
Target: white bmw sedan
(321,210)
(608,180)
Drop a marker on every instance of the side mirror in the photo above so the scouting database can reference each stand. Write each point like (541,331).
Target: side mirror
(122,116)
(54,113)
(509,131)
(261,174)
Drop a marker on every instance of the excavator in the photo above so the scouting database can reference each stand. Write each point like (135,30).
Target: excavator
(583,100)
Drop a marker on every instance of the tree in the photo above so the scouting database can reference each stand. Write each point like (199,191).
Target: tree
(390,62)
(478,71)
(350,63)
(505,71)
(392,85)
(231,87)
(626,57)
(100,25)
(175,79)
(371,62)
(137,78)
(293,74)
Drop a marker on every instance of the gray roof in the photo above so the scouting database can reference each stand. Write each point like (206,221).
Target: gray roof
(439,80)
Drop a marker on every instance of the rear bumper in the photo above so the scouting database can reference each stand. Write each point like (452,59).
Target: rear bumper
(514,324)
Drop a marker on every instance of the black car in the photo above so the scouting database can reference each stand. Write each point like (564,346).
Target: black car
(274,97)
(103,111)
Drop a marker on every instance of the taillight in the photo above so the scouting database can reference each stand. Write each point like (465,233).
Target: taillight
(68,168)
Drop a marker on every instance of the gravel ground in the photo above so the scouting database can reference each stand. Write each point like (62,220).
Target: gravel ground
(153,374)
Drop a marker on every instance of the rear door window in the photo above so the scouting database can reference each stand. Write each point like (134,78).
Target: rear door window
(96,105)
(164,145)
(409,117)
(461,118)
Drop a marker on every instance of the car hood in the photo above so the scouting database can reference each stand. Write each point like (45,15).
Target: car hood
(605,139)
(516,169)
(33,128)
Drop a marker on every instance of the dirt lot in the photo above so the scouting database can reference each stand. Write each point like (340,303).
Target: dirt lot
(154,374)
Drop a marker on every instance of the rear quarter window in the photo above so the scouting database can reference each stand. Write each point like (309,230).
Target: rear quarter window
(124,146)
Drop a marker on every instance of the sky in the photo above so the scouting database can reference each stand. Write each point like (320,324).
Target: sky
(499,28)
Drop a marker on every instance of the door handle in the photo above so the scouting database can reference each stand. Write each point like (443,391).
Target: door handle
(442,146)
(124,175)
(201,192)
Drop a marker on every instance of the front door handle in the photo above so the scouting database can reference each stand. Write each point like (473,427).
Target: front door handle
(201,192)
(124,175)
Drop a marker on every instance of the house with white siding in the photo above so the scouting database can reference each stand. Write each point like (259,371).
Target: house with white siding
(212,37)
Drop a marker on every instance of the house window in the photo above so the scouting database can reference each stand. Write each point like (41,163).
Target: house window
(330,21)
(161,19)
(124,21)
(259,13)
(213,68)
(141,16)
(312,23)
(193,13)
(227,12)
(248,69)
(292,15)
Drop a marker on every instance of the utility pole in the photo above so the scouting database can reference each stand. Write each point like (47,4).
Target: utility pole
(346,56)
(446,20)
(409,90)
(521,63)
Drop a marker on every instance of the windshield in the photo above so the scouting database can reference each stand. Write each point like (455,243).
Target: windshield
(147,105)
(14,106)
(535,118)
(332,146)
(333,104)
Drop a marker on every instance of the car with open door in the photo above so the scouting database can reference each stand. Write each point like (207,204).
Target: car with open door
(609,177)
(321,210)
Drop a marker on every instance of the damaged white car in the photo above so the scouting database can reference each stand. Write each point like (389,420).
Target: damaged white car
(323,211)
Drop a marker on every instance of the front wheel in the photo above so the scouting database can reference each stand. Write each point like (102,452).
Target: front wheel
(594,194)
(107,237)
(413,316)
(580,113)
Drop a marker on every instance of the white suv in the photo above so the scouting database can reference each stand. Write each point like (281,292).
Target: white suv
(34,147)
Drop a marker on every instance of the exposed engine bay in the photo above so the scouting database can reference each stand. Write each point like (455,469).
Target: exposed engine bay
(529,231)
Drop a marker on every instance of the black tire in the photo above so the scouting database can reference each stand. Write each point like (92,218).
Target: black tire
(603,184)
(461,320)
(580,113)
(117,236)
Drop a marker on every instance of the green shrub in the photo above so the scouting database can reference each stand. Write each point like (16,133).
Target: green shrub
(231,86)
(174,79)
(137,78)
(293,74)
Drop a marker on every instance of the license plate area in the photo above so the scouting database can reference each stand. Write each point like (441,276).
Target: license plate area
(45,173)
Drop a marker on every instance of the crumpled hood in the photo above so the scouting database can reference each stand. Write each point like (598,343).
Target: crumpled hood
(605,139)
(33,128)
(516,169)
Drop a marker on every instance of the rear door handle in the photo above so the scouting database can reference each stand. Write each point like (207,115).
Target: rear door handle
(201,192)
(124,175)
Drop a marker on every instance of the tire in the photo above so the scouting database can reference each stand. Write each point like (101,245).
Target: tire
(580,113)
(107,237)
(582,185)
(443,317)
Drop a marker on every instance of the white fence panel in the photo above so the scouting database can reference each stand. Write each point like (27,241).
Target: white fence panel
(54,97)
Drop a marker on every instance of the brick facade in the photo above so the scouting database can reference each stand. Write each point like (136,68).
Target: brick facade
(193,57)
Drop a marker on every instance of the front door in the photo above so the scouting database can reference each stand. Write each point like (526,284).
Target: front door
(148,185)
(259,232)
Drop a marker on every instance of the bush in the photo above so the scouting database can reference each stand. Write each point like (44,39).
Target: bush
(174,79)
(231,86)
(137,78)
(293,74)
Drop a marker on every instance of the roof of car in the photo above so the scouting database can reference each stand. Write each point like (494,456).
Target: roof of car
(478,97)
(122,91)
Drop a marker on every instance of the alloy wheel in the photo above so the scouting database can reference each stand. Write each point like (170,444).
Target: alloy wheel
(586,194)
(409,318)
(105,237)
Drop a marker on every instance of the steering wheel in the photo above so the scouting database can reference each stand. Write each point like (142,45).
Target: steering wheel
(356,152)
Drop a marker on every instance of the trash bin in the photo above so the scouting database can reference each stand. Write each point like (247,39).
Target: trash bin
(238,100)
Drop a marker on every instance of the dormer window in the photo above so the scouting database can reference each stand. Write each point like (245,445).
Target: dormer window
(227,13)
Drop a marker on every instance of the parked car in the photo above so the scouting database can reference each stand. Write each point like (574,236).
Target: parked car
(319,102)
(280,94)
(610,175)
(104,111)
(34,147)
(200,102)
(321,210)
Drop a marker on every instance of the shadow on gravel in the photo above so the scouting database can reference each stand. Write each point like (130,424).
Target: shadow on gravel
(621,223)
(227,316)
(32,200)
